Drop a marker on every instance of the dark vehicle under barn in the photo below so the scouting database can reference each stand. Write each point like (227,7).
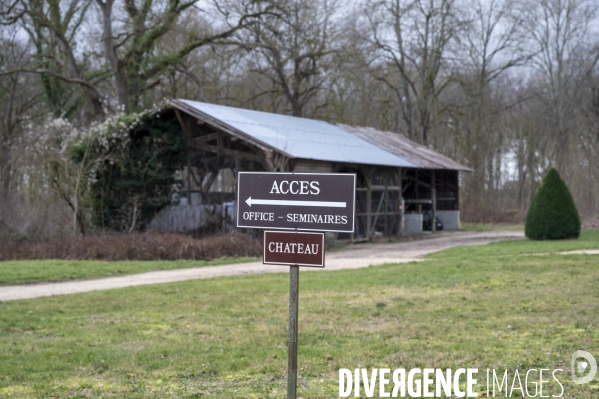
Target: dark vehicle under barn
(427,216)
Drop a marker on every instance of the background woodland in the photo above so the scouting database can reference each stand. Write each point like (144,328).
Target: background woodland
(508,88)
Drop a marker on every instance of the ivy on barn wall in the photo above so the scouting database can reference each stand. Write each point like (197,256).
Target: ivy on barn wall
(136,158)
(131,190)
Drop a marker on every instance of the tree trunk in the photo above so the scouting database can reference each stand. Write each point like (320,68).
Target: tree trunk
(116,65)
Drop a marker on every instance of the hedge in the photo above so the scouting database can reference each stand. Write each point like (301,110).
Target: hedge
(552,214)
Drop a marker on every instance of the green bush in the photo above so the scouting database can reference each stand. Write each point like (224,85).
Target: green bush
(137,177)
(552,214)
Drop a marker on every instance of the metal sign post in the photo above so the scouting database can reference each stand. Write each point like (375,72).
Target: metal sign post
(295,201)
(293,325)
(295,249)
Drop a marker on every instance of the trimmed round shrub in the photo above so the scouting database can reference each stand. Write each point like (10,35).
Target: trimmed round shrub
(552,214)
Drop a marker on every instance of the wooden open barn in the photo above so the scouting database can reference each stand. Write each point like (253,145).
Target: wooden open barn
(398,180)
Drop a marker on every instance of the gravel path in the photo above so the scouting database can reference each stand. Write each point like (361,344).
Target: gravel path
(353,257)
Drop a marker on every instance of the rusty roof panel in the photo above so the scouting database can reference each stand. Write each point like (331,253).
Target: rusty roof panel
(399,145)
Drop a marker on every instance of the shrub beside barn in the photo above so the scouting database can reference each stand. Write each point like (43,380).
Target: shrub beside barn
(552,214)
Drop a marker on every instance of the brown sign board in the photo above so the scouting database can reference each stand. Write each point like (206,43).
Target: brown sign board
(294,248)
(302,201)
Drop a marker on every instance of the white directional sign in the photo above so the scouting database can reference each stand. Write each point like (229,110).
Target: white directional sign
(303,201)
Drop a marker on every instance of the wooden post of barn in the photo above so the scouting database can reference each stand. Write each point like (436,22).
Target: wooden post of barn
(400,203)
(188,176)
(185,123)
(369,226)
(434,203)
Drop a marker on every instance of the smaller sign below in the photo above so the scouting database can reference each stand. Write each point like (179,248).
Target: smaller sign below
(294,248)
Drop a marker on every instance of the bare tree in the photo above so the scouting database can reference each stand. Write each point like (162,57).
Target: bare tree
(493,42)
(294,46)
(54,27)
(208,73)
(560,29)
(17,98)
(413,38)
(588,145)
(129,46)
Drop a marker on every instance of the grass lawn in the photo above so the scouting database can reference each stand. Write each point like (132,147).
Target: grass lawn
(511,305)
(35,271)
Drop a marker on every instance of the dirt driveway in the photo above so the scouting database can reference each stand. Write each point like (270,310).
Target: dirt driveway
(352,257)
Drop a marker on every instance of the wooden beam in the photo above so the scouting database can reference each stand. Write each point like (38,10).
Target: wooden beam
(225,151)
(211,178)
(367,176)
(417,181)
(218,124)
(280,162)
(379,213)
(457,194)
(444,183)
(180,118)
(267,161)
(376,214)
(206,138)
(434,202)
(438,182)
(358,220)
(418,201)
(379,188)
(401,210)
(184,122)
(219,142)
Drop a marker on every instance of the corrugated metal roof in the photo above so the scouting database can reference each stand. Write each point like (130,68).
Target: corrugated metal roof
(317,140)
(293,136)
(399,145)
